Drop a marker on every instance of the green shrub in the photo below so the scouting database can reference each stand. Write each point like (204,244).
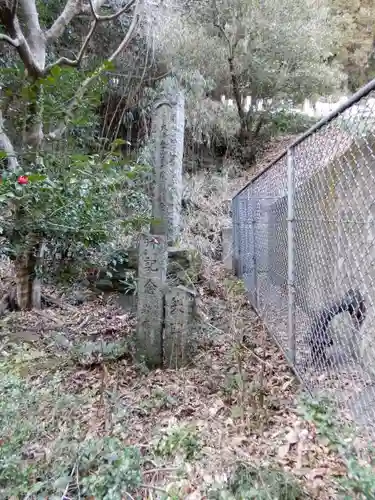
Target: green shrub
(71,197)
(178,440)
(290,122)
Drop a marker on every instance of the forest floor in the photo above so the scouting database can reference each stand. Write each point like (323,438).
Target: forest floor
(72,414)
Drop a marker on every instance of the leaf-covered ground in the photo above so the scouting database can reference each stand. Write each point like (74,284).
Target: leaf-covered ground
(235,403)
(225,427)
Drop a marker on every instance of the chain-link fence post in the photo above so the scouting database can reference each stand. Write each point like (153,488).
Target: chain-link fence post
(236,236)
(291,288)
(253,202)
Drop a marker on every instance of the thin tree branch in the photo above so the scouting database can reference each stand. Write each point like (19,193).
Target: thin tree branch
(7,17)
(110,17)
(222,31)
(128,35)
(57,133)
(72,8)
(5,38)
(14,8)
(75,62)
(97,19)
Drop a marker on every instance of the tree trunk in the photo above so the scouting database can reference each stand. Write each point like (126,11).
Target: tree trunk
(28,287)
(27,281)
(245,136)
(237,94)
(27,263)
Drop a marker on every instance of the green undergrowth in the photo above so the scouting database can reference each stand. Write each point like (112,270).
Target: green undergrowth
(52,441)
(260,483)
(45,450)
(342,438)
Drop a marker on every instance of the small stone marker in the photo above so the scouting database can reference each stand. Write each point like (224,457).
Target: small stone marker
(179,318)
(227,256)
(152,272)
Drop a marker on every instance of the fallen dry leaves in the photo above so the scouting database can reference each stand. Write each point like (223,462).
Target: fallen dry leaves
(272,434)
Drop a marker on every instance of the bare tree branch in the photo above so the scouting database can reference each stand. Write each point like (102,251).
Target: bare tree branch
(31,50)
(97,19)
(7,146)
(128,35)
(14,8)
(57,133)
(71,9)
(7,17)
(111,16)
(74,62)
(5,38)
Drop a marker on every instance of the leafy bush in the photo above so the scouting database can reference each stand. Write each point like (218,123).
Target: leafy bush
(72,198)
(54,92)
(290,122)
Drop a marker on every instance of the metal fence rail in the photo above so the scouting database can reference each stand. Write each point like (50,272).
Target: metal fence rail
(304,244)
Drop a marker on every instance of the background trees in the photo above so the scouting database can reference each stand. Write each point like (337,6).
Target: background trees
(356,52)
(274,52)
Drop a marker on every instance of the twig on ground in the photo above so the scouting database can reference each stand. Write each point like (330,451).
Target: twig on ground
(257,357)
(64,497)
(161,469)
(48,301)
(154,488)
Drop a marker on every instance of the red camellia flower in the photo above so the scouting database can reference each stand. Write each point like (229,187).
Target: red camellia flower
(23,179)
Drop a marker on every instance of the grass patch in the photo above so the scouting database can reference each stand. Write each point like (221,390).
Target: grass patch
(260,483)
(181,440)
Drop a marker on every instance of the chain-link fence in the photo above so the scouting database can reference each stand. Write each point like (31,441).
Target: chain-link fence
(304,243)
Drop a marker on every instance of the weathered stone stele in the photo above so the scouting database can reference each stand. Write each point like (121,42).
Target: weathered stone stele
(167,146)
(179,321)
(152,272)
(184,264)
